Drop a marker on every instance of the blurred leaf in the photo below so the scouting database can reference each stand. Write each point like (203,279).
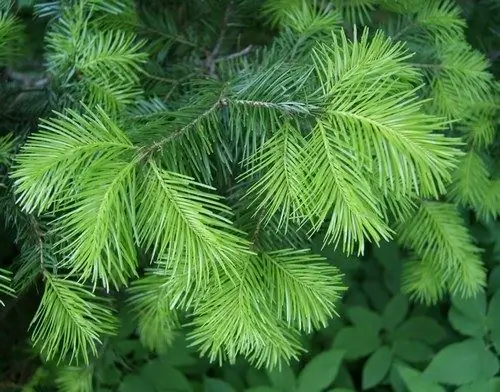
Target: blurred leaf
(263,389)
(165,377)
(493,317)
(320,372)
(134,383)
(412,351)
(492,385)
(467,326)
(179,353)
(396,381)
(216,385)
(395,312)
(415,382)
(421,328)
(387,253)
(462,363)
(362,316)
(234,375)
(283,378)
(125,347)
(392,278)
(355,297)
(494,280)
(495,340)
(256,377)
(344,378)
(341,390)
(358,342)
(376,367)
(473,307)
(377,294)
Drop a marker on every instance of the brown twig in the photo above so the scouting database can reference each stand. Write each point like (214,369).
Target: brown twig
(242,52)
(211,58)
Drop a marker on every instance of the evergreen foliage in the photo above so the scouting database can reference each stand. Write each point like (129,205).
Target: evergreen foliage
(174,161)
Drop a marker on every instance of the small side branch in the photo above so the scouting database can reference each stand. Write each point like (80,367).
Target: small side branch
(231,56)
(156,146)
(211,58)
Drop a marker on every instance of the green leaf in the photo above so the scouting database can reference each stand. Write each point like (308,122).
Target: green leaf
(165,377)
(412,351)
(395,380)
(473,307)
(283,378)
(466,325)
(134,383)
(216,385)
(387,253)
(462,363)
(233,374)
(179,354)
(491,385)
(421,328)
(415,382)
(320,372)
(377,294)
(256,377)
(262,389)
(344,378)
(495,340)
(358,342)
(362,316)
(493,316)
(395,312)
(494,280)
(341,390)
(376,367)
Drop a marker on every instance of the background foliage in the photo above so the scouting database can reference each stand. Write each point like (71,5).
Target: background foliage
(383,341)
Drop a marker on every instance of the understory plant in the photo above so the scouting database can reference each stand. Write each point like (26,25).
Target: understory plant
(175,162)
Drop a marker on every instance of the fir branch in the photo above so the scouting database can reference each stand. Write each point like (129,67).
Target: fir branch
(424,281)
(436,233)
(75,379)
(66,146)
(152,299)
(188,228)
(156,146)
(69,321)
(471,184)
(281,185)
(97,228)
(5,279)
(235,319)
(303,286)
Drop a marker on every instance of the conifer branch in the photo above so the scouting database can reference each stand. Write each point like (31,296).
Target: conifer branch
(156,146)
(326,130)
